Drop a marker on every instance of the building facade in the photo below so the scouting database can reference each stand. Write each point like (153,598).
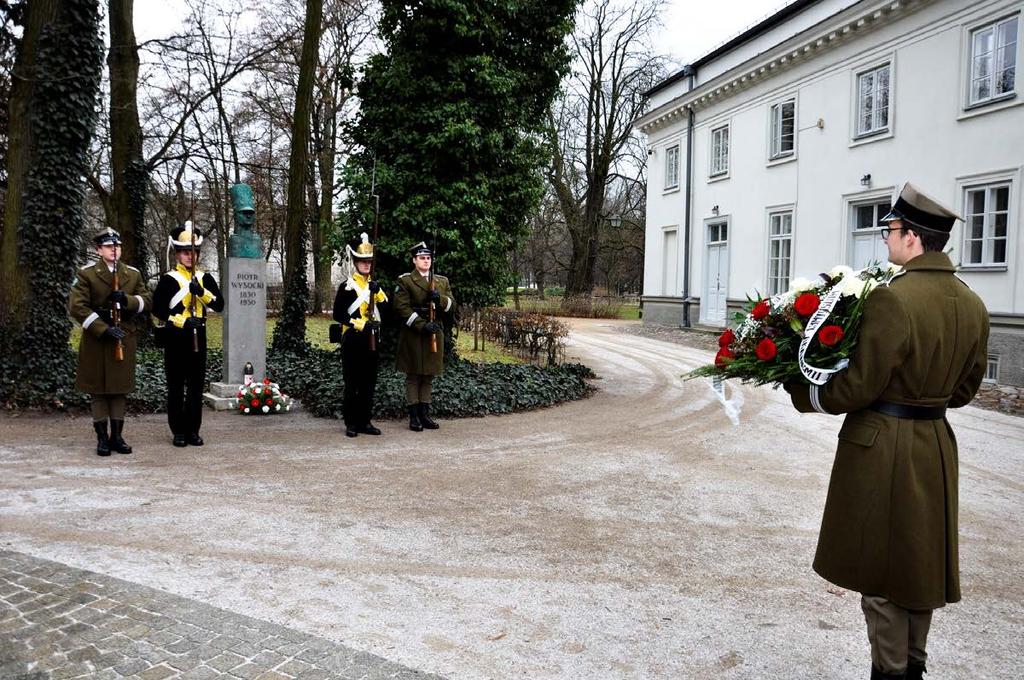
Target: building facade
(775,155)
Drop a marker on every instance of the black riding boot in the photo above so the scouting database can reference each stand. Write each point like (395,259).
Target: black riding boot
(425,417)
(414,418)
(116,442)
(102,441)
(915,671)
(879,675)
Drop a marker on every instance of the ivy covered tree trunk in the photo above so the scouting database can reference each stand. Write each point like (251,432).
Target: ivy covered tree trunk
(290,332)
(36,363)
(130,175)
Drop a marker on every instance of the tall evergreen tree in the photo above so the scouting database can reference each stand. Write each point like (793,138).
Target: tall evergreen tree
(451,115)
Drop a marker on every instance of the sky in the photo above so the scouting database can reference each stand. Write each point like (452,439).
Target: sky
(690,29)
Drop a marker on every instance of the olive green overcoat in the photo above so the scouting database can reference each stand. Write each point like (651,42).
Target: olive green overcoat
(890,522)
(411,309)
(98,371)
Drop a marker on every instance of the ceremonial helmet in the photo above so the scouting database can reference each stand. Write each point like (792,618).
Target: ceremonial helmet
(361,249)
(181,237)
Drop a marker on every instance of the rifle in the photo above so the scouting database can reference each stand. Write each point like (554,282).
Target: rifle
(372,307)
(192,298)
(115,314)
(433,287)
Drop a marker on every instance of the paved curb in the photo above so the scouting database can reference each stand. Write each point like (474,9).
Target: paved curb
(60,622)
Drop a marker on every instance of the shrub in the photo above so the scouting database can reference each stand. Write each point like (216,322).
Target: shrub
(525,333)
(465,388)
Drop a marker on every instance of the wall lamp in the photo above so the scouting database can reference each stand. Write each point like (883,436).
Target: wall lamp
(714,210)
(865,181)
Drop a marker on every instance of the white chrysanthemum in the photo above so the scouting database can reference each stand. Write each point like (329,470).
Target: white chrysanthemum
(277,407)
(266,409)
(246,409)
(852,285)
(894,269)
(800,284)
(841,270)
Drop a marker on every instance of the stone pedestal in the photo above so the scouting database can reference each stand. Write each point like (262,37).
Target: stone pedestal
(245,324)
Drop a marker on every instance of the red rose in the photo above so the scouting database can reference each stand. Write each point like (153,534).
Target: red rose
(760,310)
(266,381)
(830,335)
(270,402)
(806,304)
(726,338)
(766,350)
(241,406)
(723,357)
(255,402)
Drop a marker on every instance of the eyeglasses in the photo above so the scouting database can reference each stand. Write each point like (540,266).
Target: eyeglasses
(887,230)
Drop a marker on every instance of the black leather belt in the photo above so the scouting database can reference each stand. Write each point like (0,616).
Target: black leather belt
(911,411)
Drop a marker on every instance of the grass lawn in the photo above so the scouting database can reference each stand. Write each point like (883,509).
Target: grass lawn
(551,305)
(316,335)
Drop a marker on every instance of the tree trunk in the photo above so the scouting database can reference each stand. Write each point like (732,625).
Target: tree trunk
(13,282)
(129,173)
(290,332)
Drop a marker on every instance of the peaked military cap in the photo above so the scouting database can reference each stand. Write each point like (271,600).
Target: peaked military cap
(181,237)
(361,249)
(921,210)
(107,236)
(421,248)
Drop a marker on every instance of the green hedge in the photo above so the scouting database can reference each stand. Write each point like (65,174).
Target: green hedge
(465,389)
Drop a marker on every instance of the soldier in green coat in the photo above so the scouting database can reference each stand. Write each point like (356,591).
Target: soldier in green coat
(421,342)
(106,355)
(889,529)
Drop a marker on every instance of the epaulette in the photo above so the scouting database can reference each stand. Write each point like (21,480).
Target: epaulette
(86,266)
(443,278)
(402,276)
(132,268)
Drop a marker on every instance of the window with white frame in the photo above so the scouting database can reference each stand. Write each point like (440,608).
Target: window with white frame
(783,129)
(993,64)
(992,369)
(987,213)
(780,251)
(719,151)
(868,246)
(873,100)
(672,167)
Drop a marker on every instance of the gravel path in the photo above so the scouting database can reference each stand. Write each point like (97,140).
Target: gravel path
(636,534)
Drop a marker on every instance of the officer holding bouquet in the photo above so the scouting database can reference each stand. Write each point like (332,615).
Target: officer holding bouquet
(889,529)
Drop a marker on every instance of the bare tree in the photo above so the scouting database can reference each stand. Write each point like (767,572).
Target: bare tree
(590,127)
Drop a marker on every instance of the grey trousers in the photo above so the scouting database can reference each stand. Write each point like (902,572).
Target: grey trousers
(897,635)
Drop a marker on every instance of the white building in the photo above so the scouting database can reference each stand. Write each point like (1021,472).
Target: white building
(774,155)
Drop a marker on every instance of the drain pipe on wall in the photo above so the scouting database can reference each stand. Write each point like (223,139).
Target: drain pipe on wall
(689,209)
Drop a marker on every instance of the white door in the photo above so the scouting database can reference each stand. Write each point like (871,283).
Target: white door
(716,275)
(670,265)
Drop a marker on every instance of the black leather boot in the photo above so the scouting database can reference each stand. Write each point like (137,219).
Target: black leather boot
(915,671)
(116,442)
(425,417)
(369,428)
(102,441)
(879,675)
(194,439)
(179,440)
(414,418)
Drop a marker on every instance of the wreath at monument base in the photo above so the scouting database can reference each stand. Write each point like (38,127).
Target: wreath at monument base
(259,399)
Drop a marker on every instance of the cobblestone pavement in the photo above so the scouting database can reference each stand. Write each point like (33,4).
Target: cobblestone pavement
(60,622)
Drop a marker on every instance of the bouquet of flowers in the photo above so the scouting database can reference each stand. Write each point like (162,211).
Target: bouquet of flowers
(262,398)
(805,334)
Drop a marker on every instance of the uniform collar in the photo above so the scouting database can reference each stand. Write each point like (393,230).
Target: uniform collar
(359,279)
(930,261)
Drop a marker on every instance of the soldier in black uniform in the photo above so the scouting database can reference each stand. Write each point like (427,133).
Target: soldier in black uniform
(106,353)
(359,362)
(183,298)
